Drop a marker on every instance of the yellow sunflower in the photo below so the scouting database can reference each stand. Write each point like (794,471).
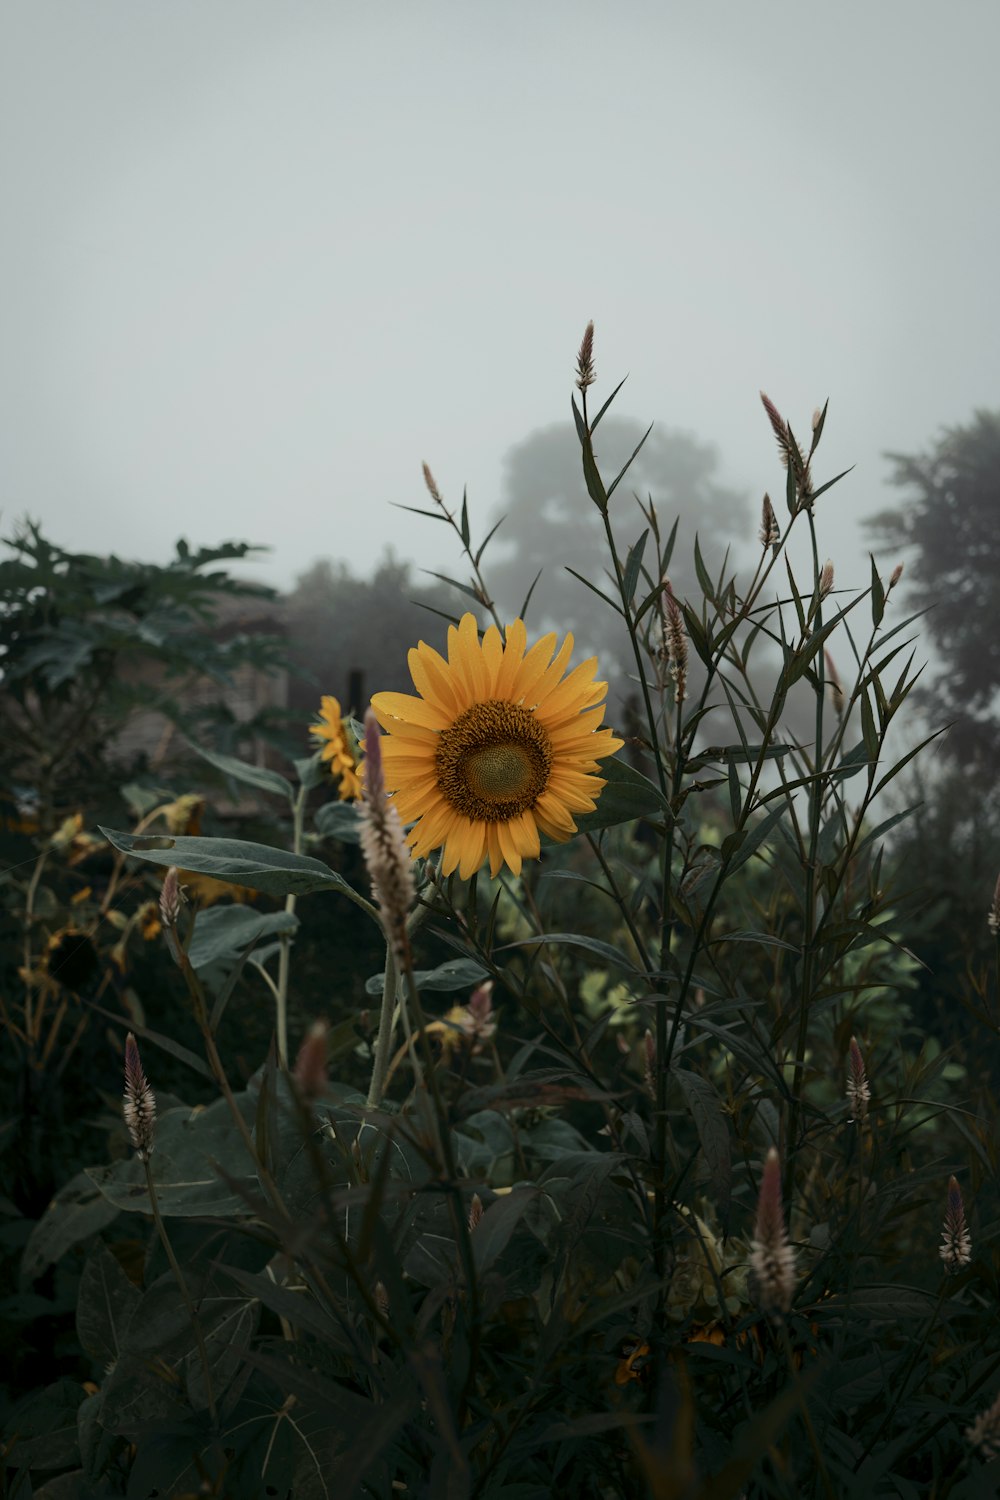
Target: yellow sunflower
(337,750)
(498,747)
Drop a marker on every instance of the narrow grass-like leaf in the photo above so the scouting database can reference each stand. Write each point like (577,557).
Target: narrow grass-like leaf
(527,597)
(633,565)
(594,589)
(600,414)
(489,536)
(629,462)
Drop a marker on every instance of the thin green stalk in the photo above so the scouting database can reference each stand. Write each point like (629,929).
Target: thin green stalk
(285,954)
(161,1230)
(809,918)
(383,1042)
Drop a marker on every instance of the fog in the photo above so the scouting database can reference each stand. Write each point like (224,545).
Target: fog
(262,260)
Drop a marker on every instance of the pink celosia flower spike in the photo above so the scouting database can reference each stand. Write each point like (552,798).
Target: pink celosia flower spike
(772,1259)
(956,1242)
(390,868)
(139,1106)
(858,1092)
(984,1433)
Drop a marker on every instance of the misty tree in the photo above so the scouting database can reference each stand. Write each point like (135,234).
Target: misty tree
(552,524)
(948,530)
(349,636)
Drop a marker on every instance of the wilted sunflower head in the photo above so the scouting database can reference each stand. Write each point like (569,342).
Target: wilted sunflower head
(71,958)
(499,747)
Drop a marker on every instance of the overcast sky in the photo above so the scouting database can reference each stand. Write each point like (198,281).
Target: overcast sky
(260,260)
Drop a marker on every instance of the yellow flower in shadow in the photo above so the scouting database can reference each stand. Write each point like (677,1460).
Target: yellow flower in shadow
(336,748)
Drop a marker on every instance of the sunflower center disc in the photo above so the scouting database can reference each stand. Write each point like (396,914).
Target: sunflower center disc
(494,761)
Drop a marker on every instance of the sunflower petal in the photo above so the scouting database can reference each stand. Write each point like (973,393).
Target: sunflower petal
(411,710)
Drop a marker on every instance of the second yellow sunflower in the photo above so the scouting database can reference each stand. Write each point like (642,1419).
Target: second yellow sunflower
(499,747)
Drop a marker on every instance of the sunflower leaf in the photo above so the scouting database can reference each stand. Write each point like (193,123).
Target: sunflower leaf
(627,795)
(257,776)
(273,871)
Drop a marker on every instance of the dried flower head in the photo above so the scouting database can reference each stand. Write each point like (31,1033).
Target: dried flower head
(171,897)
(838,698)
(817,417)
(139,1105)
(788,448)
(956,1242)
(310,1064)
(993,915)
(826,579)
(894,577)
(984,1433)
(858,1092)
(431,484)
(772,1259)
(674,647)
(481,1009)
(586,374)
(475,1211)
(390,868)
(770,531)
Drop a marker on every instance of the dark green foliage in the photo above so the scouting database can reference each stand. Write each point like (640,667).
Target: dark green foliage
(521,1260)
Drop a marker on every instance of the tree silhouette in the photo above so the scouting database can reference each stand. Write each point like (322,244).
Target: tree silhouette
(949,527)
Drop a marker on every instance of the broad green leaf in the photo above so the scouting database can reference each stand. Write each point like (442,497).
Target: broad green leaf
(78,1210)
(255,776)
(45,1427)
(223,933)
(339,820)
(453,974)
(275,872)
(311,771)
(105,1305)
(497,1224)
(160,1359)
(627,795)
(189,1145)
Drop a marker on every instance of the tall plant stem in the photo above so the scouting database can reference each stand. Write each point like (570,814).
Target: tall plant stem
(383,1042)
(668,790)
(809,916)
(161,1230)
(285,955)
